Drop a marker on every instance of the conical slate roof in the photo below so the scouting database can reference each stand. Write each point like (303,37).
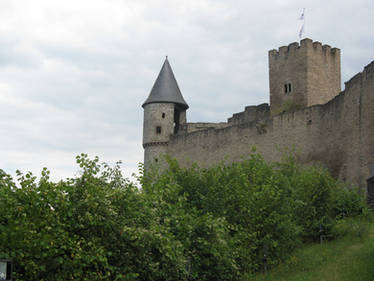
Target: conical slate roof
(166,88)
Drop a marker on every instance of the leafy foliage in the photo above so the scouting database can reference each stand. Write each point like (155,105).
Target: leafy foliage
(182,224)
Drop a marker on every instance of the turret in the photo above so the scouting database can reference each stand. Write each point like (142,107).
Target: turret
(303,75)
(164,113)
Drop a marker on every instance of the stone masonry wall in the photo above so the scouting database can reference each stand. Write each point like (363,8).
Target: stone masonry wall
(288,64)
(200,126)
(338,135)
(312,69)
(250,114)
(323,77)
(155,142)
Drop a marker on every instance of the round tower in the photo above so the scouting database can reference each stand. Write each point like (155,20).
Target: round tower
(164,113)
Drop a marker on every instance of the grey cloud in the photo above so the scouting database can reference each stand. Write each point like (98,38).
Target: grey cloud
(14,54)
(73,77)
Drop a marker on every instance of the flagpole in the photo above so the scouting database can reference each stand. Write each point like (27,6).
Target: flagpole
(302,29)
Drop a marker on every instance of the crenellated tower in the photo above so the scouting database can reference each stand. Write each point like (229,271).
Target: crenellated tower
(303,75)
(164,113)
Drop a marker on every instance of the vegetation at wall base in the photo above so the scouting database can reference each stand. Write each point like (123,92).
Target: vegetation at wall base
(182,224)
(347,258)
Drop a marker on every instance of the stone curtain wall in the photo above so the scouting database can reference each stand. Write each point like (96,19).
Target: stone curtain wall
(366,117)
(338,135)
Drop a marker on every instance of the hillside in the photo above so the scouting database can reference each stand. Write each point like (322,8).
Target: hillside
(349,258)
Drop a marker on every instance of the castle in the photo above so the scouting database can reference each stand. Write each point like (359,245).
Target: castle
(307,112)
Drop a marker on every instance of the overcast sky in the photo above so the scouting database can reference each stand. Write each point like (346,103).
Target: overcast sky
(73,74)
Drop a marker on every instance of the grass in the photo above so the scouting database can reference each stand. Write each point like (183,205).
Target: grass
(349,258)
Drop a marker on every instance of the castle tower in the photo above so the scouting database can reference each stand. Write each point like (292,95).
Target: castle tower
(164,113)
(303,75)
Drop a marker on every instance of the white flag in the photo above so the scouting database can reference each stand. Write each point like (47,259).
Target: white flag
(302,15)
(301,31)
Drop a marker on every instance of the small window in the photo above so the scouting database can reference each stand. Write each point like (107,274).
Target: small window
(287,88)
(163,115)
(158,130)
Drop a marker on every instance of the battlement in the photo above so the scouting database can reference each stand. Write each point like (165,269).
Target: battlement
(367,73)
(309,112)
(306,45)
(303,74)
(201,126)
(250,114)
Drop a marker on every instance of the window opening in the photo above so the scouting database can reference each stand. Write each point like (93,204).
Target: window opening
(287,88)
(163,115)
(158,129)
(176,120)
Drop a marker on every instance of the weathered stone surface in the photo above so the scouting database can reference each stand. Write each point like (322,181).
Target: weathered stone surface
(312,70)
(335,130)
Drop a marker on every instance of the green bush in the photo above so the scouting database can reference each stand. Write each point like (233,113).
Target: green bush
(208,248)
(250,197)
(97,226)
(312,196)
(347,203)
(182,224)
(318,201)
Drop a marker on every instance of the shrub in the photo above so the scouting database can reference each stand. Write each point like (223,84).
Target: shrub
(347,202)
(182,224)
(249,196)
(97,226)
